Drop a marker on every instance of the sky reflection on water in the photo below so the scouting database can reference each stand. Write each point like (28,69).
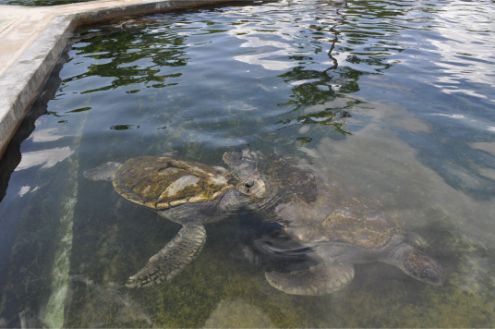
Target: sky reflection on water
(390,103)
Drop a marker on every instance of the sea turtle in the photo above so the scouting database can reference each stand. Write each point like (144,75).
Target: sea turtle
(333,231)
(188,193)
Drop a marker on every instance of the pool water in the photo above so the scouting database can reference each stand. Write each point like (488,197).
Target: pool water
(388,102)
(39,2)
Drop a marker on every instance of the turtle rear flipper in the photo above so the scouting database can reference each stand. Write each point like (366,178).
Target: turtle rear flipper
(103,172)
(416,264)
(172,258)
(318,280)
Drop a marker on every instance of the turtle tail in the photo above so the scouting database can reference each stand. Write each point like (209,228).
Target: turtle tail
(171,259)
(103,172)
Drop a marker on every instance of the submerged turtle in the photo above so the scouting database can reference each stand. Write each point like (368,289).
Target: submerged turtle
(345,240)
(334,238)
(188,193)
(280,189)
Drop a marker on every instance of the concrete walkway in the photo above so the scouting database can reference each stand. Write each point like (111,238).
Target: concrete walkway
(33,38)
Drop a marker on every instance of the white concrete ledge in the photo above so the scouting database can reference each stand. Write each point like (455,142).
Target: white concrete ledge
(33,38)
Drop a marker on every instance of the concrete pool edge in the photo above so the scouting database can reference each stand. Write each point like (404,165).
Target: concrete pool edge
(34,38)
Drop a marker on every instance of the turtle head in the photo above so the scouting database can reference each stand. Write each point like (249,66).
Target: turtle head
(252,186)
(243,164)
(418,265)
(244,167)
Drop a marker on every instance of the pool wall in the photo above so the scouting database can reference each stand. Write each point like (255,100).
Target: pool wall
(33,38)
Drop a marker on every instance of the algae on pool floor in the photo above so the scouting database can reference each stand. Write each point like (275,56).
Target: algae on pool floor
(373,95)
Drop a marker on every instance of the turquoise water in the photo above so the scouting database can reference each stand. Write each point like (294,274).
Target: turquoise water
(391,103)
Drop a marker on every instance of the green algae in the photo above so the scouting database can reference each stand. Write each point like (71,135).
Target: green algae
(237,314)
(108,247)
(186,301)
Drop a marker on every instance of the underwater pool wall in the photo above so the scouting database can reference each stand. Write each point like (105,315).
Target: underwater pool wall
(32,40)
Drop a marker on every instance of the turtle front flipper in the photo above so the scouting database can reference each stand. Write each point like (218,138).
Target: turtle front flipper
(318,280)
(172,258)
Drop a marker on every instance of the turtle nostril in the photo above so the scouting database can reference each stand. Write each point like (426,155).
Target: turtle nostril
(249,184)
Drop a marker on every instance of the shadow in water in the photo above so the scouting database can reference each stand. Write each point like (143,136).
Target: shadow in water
(8,164)
(12,155)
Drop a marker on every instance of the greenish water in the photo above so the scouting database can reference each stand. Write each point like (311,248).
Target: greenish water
(390,102)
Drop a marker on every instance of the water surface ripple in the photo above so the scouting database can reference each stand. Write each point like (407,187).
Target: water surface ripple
(389,103)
